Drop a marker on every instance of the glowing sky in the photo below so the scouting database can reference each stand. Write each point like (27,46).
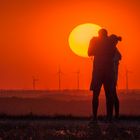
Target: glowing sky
(34,40)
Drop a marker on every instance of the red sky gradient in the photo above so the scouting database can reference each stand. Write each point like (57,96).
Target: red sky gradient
(34,41)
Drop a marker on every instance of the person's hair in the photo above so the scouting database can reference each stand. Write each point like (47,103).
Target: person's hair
(115,37)
(102,32)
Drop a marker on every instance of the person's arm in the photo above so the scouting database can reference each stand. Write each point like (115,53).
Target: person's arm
(91,48)
(118,54)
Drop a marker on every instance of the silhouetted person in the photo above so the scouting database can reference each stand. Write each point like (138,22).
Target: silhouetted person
(103,71)
(117,57)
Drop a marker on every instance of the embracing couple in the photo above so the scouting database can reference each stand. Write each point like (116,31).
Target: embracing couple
(105,71)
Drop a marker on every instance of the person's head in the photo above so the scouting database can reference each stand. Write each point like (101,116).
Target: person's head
(115,37)
(102,33)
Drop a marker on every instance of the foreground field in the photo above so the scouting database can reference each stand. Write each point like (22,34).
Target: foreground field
(69,130)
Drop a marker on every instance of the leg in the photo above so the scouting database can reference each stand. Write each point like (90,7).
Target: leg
(96,87)
(116,100)
(109,100)
(116,104)
(95,102)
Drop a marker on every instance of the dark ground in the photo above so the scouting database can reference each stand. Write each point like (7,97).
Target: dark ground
(69,129)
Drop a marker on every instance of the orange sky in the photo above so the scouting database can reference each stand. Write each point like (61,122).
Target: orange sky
(34,40)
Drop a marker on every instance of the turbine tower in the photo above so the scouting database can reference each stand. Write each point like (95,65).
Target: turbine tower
(59,78)
(78,81)
(127,80)
(34,82)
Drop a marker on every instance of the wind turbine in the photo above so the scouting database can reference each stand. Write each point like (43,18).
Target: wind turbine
(34,80)
(59,77)
(127,80)
(78,80)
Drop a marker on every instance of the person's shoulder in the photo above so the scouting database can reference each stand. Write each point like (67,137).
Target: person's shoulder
(94,38)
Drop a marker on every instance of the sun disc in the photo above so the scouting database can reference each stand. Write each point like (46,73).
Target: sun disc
(80,37)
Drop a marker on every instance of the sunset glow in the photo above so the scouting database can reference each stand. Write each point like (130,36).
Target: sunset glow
(80,36)
(36,37)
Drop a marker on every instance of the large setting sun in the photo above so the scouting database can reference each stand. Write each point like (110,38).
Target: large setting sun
(80,36)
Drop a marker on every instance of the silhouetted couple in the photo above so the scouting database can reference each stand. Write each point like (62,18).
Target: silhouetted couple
(105,71)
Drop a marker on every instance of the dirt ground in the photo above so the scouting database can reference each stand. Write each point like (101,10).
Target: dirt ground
(69,130)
